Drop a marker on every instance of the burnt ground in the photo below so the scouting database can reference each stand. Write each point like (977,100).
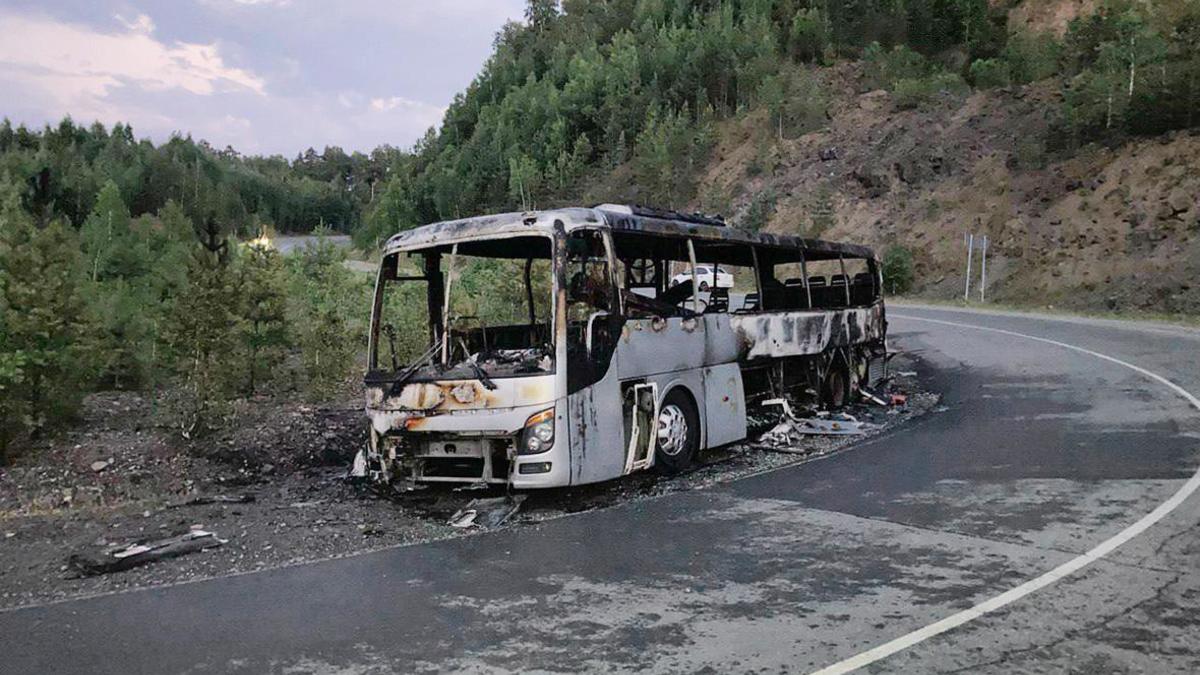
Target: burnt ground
(122,476)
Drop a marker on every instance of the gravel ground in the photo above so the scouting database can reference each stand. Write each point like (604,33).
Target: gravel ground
(288,461)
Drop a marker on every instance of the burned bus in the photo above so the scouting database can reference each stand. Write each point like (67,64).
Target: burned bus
(564,347)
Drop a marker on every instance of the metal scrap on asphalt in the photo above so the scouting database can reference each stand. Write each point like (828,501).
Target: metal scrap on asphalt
(787,435)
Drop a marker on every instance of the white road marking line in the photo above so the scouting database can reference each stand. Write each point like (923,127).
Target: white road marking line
(1066,569)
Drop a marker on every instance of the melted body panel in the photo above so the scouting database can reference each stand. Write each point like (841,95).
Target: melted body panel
(442,396)
(804,333)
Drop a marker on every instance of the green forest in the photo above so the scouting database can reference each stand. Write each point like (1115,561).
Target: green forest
(120,261)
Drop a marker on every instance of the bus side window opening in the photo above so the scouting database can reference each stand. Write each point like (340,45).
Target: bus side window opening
(727,277)
(655,276)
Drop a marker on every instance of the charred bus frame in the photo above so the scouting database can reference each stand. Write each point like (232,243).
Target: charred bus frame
(622,371)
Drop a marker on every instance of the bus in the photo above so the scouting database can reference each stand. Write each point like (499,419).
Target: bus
(562,347)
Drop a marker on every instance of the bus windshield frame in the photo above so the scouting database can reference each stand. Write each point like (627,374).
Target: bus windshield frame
(462,290)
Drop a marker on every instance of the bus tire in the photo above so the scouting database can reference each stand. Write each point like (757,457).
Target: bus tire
(678,436)
(835,391)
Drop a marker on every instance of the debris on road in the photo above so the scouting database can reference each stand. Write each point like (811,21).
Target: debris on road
(127,557)
(245,498)
(866,394)
(787,434)
(101,464)
(487,512)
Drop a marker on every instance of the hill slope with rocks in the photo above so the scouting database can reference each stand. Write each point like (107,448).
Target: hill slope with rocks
(1104,228)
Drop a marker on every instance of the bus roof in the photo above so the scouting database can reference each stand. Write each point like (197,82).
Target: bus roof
(614,217)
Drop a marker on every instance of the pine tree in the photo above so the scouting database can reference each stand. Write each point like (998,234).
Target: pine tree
(325,298)
(394,211)
(134,267)
(43,364)
(202,334)
(263,330)
(105,234)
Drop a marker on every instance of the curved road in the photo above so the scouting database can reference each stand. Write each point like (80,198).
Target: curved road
(1043,453)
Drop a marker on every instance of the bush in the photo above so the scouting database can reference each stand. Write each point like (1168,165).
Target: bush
(824,215)
(1031,56)
(667,153)
(759,211)
(885,69)
(328,305)
(990,73)
(805,107)
(897,270)
(808,35)
(914,92)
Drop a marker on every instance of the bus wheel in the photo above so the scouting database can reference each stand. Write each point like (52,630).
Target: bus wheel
(835,391)
(678,433)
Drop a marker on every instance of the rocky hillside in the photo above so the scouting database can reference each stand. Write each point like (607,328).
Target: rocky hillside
(1115,228)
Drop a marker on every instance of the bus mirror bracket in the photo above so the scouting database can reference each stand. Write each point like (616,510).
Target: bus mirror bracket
(590,328)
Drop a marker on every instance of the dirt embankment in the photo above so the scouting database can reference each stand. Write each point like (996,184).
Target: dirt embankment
(121,476)
(1108,228)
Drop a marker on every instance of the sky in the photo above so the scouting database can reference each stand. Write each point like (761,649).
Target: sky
(264,76)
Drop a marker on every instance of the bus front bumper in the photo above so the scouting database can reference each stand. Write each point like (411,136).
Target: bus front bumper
(471,447)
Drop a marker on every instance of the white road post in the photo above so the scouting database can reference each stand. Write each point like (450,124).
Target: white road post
(983,269)
(970,249)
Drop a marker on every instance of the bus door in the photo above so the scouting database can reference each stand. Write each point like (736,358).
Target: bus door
(593,330)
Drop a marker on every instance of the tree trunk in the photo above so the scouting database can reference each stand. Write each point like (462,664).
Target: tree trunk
(1108,115)
(1132,66)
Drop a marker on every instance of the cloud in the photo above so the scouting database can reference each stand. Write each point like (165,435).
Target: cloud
(256,74)
(77,68)
(229,4)
(408,106)
(141,24)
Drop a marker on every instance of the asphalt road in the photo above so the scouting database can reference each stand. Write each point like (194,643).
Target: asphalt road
(1042,453)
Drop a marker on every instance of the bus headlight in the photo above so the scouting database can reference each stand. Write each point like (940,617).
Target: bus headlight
(538,434)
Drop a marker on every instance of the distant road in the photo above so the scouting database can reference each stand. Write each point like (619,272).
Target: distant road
(289,243)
